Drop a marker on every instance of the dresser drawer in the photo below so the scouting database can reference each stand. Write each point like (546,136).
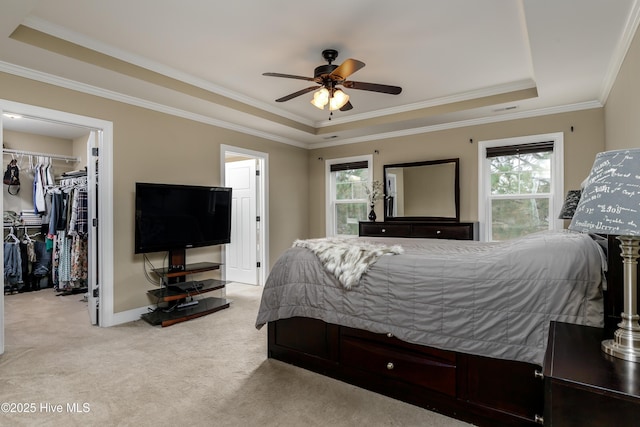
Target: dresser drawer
(442,231)
(385,229)
(425,230)
(399,364)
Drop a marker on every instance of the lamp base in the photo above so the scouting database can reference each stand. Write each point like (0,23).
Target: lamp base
(624,345)
(626,339)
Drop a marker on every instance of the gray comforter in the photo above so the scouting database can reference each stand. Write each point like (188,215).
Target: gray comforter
(489,299)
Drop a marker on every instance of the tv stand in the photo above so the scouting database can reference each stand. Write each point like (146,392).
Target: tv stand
(171,299)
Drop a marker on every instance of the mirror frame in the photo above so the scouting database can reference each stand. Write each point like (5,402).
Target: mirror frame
(456,162)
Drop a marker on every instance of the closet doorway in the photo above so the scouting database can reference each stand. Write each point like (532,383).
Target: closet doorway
(24,127)
(246,171)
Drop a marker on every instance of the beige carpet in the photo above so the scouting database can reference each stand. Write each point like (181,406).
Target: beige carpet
(211,371)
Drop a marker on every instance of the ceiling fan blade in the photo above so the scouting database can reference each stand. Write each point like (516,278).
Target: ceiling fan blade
(296,94)
(347,106)
(289,76)
(347,68)
(373,87)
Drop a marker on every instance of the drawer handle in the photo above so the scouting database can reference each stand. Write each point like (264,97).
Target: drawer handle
(390,335)
(538,419)
(384,230)
(390,366)
(438,232)
(538,374)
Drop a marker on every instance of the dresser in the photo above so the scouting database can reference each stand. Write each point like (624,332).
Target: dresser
(420,229)
(584,386)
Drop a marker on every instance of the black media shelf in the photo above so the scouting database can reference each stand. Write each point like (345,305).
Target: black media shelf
(163,317)
(197,267)
(170,299)
(188,289)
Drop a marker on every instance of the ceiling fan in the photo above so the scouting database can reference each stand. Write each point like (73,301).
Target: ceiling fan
(329,76)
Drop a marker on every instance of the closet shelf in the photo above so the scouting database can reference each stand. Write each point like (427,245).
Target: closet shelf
(9,225)
(49,155)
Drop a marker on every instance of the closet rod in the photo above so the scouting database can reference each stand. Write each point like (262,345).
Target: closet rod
(33,153)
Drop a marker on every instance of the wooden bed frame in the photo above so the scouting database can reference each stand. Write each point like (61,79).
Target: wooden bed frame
(480,390)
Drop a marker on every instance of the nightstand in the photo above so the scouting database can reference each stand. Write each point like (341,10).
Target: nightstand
(583,385)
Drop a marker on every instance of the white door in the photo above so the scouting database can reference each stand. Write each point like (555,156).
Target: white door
(93,297)
(241,253)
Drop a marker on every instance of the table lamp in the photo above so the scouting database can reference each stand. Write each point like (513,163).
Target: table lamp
(570,204)
(610,204)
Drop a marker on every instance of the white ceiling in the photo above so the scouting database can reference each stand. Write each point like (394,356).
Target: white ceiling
(453,59)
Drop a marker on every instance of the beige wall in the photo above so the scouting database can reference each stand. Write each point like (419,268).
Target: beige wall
(80,150)
(155,147)
(622,109)
(580,146)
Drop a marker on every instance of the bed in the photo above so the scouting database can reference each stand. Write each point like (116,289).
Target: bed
(459,327)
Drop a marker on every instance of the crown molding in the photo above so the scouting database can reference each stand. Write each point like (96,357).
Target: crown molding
(127,99)
(140,61)
(464,96)
(464,123)
(138,102)
(630,28)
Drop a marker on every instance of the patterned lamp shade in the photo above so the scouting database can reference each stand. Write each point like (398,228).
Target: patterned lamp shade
(570,204)
(610,202)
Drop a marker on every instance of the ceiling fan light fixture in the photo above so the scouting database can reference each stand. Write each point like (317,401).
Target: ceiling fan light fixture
(320,98)
(338,100)
(329,76)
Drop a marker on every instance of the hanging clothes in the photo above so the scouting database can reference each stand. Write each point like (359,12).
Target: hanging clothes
(39,189)
(68,230)
(79,258)
(60,212)
(42,263)
(12,263)
(64,263)
(26,265)
(79,214)
(48,175)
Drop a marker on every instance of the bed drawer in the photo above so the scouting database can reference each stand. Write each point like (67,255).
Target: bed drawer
(399,364)
(391,341)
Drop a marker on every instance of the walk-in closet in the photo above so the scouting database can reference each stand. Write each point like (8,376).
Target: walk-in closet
(45,202)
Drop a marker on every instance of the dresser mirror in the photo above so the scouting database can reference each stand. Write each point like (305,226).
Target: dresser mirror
(428,191)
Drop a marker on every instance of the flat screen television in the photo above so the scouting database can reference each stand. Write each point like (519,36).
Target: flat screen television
(174,217)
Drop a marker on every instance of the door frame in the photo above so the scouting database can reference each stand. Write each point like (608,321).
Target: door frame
(104,229)
(262,209)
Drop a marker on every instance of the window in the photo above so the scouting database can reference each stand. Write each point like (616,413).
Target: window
(347,180)
(521,186)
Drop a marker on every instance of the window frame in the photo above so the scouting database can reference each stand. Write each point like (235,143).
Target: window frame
(556,197)
(330,188)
